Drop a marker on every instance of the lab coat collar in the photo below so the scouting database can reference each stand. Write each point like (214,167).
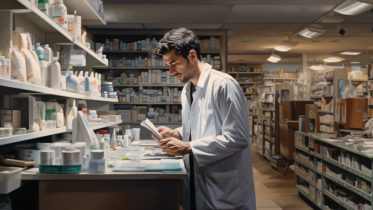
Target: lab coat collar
(202,78)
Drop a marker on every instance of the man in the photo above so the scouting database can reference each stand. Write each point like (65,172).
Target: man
(214,138)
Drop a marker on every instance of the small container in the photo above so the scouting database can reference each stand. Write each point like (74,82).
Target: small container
(47,157)
(135,154)
(4,132)
(71,157)
(99,120)
(11,179)
(136,134)
(97,154)
(111,161)
(17,131)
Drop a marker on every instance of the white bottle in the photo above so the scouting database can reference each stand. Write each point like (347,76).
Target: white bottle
(92,84)
(99,84)
(134,114)
(168,77)
(151,114)
(81,82)
(45,81)
(144,97)
(48,54)
(59,13)
(102,143)
(39,52)
(159,76)
(55,74)
(154,77)
(159,96)
(135,46)
(164,78)
(153,60)
(146,78)
(72,82)
(150,77)
(87,84)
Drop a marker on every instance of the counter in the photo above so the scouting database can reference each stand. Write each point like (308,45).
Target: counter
(109,190)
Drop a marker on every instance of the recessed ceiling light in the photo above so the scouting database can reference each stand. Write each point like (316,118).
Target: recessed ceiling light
(312,31)
(274,58)
(350,53)
(355,62)
(354,7)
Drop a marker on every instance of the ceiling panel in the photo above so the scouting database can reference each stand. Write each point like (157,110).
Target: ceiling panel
(262,29)
(304,2)
(366,17)
(276,13)
(138,13)
(189,26)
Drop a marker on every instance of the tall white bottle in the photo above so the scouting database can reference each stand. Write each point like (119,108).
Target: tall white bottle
(48,54)
(55,74)
(94,86)
(81,82)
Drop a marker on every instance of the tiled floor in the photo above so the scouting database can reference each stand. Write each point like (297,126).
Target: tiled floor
(274,191)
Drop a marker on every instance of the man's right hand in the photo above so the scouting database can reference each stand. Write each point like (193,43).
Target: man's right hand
(167,133)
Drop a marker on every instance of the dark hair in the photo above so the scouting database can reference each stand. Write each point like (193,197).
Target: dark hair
(182,40)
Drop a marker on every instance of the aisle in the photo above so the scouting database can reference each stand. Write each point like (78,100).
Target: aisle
(273,190)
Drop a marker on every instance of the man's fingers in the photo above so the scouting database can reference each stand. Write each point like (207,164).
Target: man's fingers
(164,141)
(155,137)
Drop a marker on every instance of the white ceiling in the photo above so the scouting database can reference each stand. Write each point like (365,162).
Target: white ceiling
(254,27)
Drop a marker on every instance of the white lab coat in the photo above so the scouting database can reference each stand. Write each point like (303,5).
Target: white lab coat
(219,125)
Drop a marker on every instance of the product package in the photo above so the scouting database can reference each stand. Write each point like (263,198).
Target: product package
(10,118)
(26,104)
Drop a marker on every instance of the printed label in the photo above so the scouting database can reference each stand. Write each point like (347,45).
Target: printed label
(50,114)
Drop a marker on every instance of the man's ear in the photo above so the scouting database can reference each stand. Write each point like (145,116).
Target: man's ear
(192,56)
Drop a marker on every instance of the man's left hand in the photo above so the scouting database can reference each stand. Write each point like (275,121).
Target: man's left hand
(175,147)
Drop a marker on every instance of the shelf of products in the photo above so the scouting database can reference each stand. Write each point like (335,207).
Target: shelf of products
(38,134)
(337,174)
(127,68)
(149,103)
(89,15)
(155,85)
(50,91)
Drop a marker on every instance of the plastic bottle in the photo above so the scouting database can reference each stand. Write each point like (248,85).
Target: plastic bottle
(92,84)
(150,77)
(135,46)
(8,72)
(164,78)
(144,97)
(146,78)
(143,45)
(134,114)
(45,81)
(72,82)
(159,76)
(81,82)
(139,46)
(102,143)
(39,52)
(147,44)
(2,67)
(87,84)
(176,95)
(168,78)
(146,62)
(55,74)
(48,54)
(154,43)
(151,114)
(59,13)
(99,84)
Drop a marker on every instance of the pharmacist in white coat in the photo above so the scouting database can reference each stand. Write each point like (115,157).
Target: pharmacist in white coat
(214,137)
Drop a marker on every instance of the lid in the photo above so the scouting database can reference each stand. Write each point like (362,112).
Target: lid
(97,154)
(38,44)
(151,109)
(92,112)
(46,45)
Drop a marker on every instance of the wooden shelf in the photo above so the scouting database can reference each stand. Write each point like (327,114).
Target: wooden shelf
(125,51)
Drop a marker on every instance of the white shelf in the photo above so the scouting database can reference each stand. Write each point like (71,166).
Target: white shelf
(38,134)
(155,85)
(148,103)
(47,25)
(89,15)
(124,51)
(50,91)
(155,123)
(124,68)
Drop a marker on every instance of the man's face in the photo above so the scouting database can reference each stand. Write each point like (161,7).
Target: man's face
(179,66)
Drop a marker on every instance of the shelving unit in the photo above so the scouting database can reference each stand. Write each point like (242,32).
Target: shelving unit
(149,103)
(39,134)
(319,150)
(23,13)
(128,68)
(155,85)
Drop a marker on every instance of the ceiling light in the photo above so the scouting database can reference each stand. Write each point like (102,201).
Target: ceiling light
(312,31)
(333,59)
(317,67)
(283,48)
(350,53)
(274,58)
(288,45)
(355,62)
(354,7)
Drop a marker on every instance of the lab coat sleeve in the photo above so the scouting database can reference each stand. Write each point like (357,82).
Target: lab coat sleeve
(180,130)
(230,107)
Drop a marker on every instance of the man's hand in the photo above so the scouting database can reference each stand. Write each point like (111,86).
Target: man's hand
(173,146)
(167,133)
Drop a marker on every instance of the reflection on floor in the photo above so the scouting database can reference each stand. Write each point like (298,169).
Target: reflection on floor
(274,191)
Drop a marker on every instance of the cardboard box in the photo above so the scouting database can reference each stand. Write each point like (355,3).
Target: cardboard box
(278,161)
